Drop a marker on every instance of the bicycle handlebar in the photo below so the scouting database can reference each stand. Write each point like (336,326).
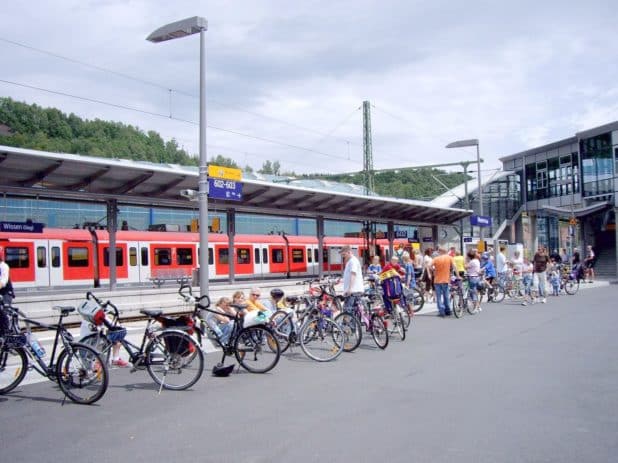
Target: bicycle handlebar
(105,305)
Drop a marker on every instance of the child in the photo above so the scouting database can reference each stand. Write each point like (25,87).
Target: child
(554,280)
(526,275)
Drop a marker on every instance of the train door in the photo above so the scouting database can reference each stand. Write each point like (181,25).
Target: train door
(143,261)
(55,263)
(133,262)
(41,263)
(260,260)
(311,258)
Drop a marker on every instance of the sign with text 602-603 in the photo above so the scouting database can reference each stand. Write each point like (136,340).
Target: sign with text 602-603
(224,189)
(226,173)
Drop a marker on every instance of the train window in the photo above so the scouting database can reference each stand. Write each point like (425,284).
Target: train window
(78,257)
(17,257)
(41,257)
(119,257)
(184,256)
(243,256)
(55,256)
(224,256)
(163,256)
(277,256)
(256,255)
(132,256)
(309,256)
(264,256)
(144,253)
(298,256)
(315,255)
(325,256)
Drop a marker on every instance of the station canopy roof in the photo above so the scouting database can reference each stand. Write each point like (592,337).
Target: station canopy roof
(43,174)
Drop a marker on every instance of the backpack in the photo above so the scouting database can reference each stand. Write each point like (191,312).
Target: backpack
(8,290)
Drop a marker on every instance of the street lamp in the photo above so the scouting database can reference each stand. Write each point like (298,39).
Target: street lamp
(177,30)
(473,142)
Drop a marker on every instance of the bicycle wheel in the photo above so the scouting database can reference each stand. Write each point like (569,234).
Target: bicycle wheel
(82,374)
(571,286)
(13,368)
(407,313)
(100,343)
(379,333)
(321,339)
(418,299)
(395,324)
(457,303)
(174,360)
(498,294)
(257,349)
(284,327)
(351,329)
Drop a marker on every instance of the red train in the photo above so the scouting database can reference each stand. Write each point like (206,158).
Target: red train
(76,257)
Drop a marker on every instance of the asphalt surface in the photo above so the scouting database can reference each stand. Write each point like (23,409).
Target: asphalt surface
(511,384)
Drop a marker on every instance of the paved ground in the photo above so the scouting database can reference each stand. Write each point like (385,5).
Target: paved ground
(512,384)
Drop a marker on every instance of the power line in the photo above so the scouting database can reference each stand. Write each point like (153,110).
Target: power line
(129,108)
(159,86)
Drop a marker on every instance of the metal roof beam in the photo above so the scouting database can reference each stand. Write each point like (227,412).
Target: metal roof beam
(250,196)
(132,184)
(40,175)
(162,189)
(88,180)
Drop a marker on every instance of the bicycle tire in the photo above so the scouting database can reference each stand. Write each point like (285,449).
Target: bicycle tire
(13,368)
(171,355)
(395,324)
(352,331)
(571,287)
(100,343)
(418,300)
(285,326)
(457,303)
(257,344)
(469,303)
(321,339)
(79,369)
(498,294)
(407,313)
(379,333)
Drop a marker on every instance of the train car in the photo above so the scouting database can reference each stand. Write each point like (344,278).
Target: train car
(76,257)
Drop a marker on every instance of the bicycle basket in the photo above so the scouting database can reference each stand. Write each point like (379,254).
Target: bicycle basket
(116,334)
(91,312)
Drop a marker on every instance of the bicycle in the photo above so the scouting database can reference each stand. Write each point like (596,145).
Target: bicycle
(357,315)
(319,336)
(79,370)
(569,283)
(171,356)
(459,293)
(251,340)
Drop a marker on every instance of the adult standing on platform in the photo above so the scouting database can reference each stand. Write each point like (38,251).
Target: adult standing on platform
(352,277)
(540,261)
(443,268)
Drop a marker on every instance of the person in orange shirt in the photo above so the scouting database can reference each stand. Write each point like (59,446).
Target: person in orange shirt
(443,268)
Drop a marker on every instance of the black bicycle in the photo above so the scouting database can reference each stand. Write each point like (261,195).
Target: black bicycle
(171,356)
(250,339)
(79,370)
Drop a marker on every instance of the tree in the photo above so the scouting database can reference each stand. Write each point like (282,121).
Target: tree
(220,160)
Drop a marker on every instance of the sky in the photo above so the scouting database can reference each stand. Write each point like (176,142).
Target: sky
(285,81)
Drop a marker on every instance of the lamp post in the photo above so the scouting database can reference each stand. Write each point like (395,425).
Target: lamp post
(473,142)
(190,26)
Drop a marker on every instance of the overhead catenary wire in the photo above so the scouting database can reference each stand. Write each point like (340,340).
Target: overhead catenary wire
(166,116)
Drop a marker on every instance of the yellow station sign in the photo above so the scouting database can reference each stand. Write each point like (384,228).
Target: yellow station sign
(226,173)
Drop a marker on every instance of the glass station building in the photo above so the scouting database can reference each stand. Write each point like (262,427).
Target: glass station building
(568,195)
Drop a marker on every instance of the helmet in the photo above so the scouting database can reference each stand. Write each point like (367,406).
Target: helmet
(276,293)
(221,370)
(485,256)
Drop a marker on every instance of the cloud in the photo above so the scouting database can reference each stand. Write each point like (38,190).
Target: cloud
(512,75)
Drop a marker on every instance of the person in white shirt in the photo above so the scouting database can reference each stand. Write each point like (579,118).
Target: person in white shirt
(501,267)
(6,289)
(352,276)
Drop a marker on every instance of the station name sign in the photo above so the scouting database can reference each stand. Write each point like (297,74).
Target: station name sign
(480,220)
(22,227)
